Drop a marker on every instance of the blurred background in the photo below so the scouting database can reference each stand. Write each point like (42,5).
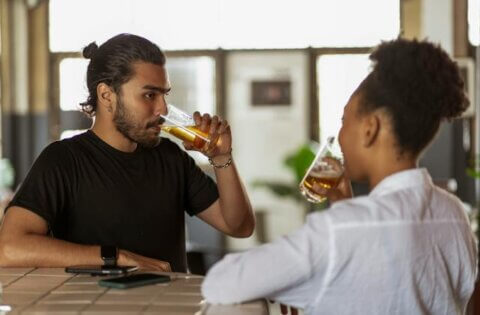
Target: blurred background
(279,71)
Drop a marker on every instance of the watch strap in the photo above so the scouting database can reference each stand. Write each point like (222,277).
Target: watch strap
(109,254)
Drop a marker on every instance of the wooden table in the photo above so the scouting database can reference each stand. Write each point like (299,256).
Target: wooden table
(52,291)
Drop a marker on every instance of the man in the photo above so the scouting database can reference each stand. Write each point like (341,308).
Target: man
(117,193)
(407,247)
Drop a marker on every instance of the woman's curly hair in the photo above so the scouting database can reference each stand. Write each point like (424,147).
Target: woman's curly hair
(418,85)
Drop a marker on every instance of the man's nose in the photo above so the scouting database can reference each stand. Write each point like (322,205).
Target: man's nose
(161,107)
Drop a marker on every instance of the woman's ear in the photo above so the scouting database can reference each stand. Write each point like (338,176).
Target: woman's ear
(106,97)
(371,129)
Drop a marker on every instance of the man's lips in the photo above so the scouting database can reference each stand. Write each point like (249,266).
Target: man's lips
(156,124)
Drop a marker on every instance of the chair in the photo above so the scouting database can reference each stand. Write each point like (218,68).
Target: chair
(275,308)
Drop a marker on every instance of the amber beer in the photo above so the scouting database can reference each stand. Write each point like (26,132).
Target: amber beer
(189,134)
(325,170)
(325,179)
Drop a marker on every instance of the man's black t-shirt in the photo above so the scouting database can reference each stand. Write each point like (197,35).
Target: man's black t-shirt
(91,193)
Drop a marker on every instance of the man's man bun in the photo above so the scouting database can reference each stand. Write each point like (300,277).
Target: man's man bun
(89,51)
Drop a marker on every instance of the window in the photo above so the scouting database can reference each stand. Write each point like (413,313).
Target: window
(209,24)
(474,22)
(69,73)
(73,89)
(307,23)
(193,83)
(204,26)
(338,76)
(193,89)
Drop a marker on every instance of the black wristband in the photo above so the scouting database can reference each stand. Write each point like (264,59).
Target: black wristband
(109,255)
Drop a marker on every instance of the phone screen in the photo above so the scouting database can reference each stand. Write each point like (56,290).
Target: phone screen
(101,270)
(134,280)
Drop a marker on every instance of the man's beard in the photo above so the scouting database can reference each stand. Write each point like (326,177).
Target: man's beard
(125,123)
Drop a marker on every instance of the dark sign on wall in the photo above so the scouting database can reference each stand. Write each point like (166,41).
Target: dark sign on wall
(271,93)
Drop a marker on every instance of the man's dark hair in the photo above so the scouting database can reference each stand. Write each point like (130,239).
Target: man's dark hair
(111,63)
(418,85)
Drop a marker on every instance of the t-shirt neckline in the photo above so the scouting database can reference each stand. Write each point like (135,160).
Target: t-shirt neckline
(108,147)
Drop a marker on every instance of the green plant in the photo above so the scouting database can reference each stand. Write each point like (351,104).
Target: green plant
(474,172)
(298,163)
(6,174)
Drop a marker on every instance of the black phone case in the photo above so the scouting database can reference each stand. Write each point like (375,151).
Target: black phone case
(132,281)
(101,270)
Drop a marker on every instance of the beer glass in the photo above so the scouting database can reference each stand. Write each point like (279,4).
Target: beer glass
(325,170)
(181,125)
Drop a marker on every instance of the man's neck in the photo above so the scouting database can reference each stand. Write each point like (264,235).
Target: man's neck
(110,135)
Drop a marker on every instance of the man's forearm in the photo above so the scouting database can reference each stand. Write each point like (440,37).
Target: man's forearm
(33,250)
(234,202)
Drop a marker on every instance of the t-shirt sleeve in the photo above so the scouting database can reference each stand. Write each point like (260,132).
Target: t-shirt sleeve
(45,188)
(201,190)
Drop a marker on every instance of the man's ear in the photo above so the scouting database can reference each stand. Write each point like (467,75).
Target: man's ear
(371,129)
(106,96)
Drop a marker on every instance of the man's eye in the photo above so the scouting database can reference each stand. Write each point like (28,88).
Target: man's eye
(150,96)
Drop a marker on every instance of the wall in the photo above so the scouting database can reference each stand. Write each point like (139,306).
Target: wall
(263,136)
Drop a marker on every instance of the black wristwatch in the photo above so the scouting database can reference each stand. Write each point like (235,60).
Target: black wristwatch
(109,255)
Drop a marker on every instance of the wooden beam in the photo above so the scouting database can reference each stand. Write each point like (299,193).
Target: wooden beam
(460,28)
(38,57)
(5,57)
(411,12)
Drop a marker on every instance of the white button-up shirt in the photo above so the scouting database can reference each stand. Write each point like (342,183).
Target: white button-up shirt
(406,248)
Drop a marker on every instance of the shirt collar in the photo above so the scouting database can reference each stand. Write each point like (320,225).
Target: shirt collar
(401,180)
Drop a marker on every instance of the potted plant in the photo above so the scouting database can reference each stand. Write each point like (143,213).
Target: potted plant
(474,172)
(297,162)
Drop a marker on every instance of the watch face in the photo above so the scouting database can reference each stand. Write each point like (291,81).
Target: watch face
(109,252)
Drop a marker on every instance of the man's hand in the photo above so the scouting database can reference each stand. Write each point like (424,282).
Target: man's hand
(126,258)
(219,132)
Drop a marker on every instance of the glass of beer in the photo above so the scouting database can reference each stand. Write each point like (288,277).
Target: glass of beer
(181,125)
(325,170)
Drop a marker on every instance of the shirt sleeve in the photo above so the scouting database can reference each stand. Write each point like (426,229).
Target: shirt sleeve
(201,190)
(45,188)
(280,270)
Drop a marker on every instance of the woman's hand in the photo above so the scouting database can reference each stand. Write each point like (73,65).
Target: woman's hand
(342,190)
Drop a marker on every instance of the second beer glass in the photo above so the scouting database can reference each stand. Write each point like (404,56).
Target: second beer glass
(325,170)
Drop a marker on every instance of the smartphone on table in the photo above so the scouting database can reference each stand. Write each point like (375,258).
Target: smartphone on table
(134,280)
(97,270)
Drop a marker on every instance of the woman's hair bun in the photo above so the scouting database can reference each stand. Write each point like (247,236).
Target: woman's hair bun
(89,51)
